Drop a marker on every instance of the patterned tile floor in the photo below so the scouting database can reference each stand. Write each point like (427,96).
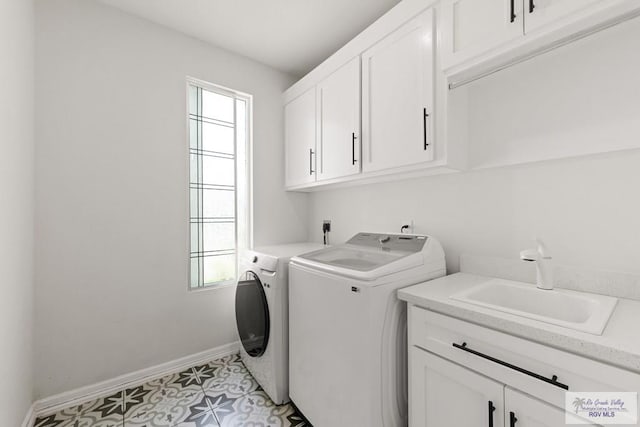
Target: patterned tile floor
(221,393)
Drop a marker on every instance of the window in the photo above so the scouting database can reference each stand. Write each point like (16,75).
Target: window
(219,190)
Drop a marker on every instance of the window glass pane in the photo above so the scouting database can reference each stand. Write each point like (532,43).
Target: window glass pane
(193,169)
(194,273)
(219,236)
(193,203)
(193,133)
(218,203)
(216,106)
(218,171)
(194,237)
(217,138)
(219,268)
(193,100)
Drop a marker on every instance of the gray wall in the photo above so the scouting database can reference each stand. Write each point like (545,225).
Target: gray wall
(111,199)
(16,209)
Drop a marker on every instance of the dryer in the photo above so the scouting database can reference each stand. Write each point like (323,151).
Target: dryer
(261,306)
(347,328)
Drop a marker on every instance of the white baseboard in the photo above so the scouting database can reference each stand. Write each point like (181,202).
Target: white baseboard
(55,403)
(30,418)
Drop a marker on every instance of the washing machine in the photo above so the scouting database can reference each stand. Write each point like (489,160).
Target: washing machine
(347,328)
(261,306)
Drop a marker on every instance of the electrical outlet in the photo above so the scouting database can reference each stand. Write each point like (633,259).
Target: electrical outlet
(326,225)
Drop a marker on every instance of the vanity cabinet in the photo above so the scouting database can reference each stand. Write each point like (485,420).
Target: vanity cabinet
(398,97)
(464,374)
(445,394)
(522,410)
(300,139)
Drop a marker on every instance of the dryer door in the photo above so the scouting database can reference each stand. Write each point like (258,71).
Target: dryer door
(252,314)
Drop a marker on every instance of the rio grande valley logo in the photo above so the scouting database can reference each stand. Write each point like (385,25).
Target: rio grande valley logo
(601,408)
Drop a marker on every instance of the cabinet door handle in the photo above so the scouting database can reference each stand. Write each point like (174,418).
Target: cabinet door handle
(491,411)
(425,116)
(553,380)
(513,10)
(512,419)
(353,148)
(311,171)
(532,5)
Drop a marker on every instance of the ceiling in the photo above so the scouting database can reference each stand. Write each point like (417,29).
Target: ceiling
(290,35)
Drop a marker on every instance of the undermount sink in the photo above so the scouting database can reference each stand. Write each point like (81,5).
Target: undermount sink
(575,310)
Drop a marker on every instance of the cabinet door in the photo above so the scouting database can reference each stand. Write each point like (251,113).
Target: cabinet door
(397,97)
(339,105)
(542,12)
(472,27)
(442,393)
(300,139)
(522,410)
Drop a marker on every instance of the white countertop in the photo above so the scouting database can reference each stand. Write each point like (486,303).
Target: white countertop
(618,345)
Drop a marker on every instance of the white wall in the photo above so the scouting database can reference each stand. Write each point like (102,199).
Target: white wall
(582,98)
(16,209)
(111,197)
(586,208)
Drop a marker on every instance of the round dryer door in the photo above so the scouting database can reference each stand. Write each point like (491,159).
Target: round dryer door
(252,314)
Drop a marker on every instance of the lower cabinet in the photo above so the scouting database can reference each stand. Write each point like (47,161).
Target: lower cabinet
(522,410)
(445,394)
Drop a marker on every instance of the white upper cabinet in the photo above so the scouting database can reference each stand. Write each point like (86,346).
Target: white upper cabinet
(380,107)
(541,12)
(300,139)
(339,122)
(483,35)
(473,27)
(398,97)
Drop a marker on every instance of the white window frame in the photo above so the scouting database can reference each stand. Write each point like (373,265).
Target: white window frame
(243,170)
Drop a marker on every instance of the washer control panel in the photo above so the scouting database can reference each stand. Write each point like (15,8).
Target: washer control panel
(394,242)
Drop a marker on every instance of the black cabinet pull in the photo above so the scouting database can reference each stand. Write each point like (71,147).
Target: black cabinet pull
(532,5)
(425,116)
(513,10)
(512,419)
(311,161)
(353,149)
(491,411)
(553,380)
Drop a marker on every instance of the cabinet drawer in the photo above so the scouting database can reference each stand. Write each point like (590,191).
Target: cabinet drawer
(517,362)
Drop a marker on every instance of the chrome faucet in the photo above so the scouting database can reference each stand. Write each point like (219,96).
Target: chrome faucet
(544,268)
